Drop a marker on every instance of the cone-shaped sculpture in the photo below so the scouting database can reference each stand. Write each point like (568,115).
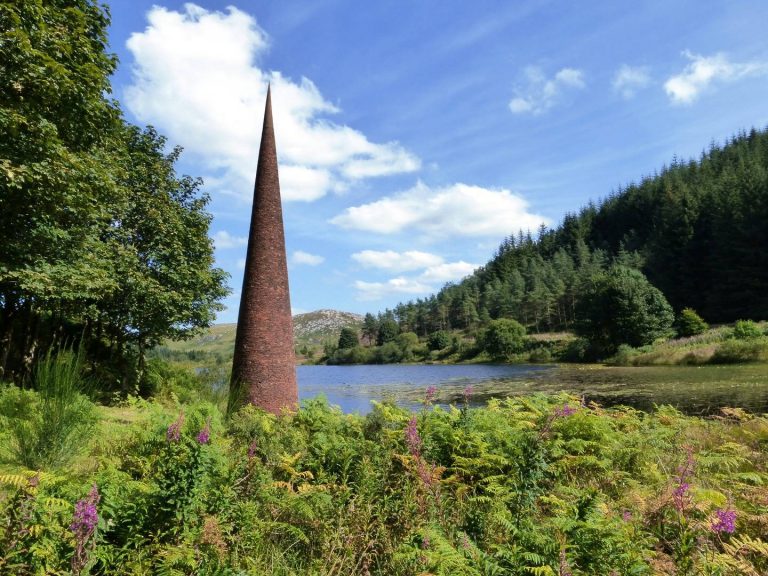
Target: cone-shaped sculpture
(263,368)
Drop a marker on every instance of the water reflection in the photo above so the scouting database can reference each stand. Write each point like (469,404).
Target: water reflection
(693,390)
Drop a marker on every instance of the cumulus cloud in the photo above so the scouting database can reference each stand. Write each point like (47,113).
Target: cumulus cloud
(434,273)
(377,290)
(448,272)
(541,93)
(198,76)
(425,283)
(301,257)
(455,210)
(223,239)
(396,261)
(629,80)
(703,71)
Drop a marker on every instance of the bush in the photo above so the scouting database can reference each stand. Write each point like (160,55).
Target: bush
(689,323)
(737,351)
(348,338)
(503,338)
(623,308)
(389,353)
(439,340)
(50,425)
(624,355)
(746,330)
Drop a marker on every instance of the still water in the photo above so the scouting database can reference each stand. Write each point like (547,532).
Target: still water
(693,390)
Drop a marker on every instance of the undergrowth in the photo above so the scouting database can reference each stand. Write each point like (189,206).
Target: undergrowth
(527,486)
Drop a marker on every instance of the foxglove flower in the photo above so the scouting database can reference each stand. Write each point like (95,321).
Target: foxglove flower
(205,434)
(83,526)
(173,434)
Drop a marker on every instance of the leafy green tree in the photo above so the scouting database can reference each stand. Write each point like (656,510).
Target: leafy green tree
(370,328)
(55,174)
(348,338)
(100,240)
(503,338)
(439,340)
(623,308)
(689,323)
(388,331)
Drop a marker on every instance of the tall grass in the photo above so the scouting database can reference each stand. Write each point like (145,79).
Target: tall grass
(49,424)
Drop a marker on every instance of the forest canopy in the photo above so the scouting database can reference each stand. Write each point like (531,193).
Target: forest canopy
(696,230)
(101,242)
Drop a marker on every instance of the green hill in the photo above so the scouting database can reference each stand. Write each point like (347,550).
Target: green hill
(696,229)
(311,329)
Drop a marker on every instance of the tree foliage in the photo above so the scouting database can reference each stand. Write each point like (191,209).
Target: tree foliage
(348,338)
(696,230)
(503,338)
(689,323)
(622,307)
(100,240)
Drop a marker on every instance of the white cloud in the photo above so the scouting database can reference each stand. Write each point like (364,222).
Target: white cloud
(197,76)
(702,71)
(378,290)
(301,257)
(628,80)
(542,93)
(425,283)
(240,264)
(456,210)
(223,239)
(448,272)
(396,261)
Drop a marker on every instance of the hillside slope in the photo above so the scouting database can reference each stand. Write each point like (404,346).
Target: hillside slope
(696,229)
(312,329)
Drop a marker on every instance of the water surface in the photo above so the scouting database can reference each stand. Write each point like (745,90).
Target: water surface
(691,389)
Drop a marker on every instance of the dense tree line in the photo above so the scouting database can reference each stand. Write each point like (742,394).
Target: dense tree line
(101,242)
(697,230)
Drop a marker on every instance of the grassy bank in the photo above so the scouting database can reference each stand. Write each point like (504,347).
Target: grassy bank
(535,485)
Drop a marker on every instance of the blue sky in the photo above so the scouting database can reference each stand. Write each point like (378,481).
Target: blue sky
(414,136)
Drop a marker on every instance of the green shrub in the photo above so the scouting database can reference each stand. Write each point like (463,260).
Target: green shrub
(746,330)
(689,323)
(348,338)
(623,308)
(50,424)
(438,340)
(624,355)
(388,353)
(503,338)
(737,351)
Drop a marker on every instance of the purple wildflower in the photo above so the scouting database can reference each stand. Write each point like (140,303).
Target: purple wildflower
(684,471)
(626,515)
(468,391)
(83,526)
(412,437)
(205,434)
(173,434)
(725,521)
(680,495)
(565,410)
(431,393)
(425,542)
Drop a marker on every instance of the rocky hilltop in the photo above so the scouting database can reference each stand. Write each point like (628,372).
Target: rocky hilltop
(323,325)
(311,329)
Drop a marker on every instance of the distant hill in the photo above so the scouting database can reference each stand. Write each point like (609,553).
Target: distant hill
(312,329)
(315,328)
